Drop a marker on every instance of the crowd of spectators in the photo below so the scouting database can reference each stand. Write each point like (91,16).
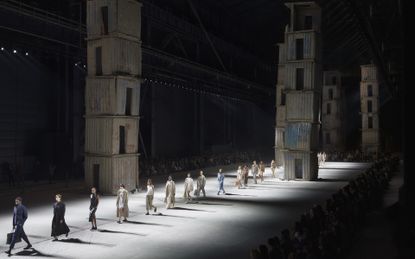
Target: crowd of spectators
(349,156)
(161,166)
(328,232)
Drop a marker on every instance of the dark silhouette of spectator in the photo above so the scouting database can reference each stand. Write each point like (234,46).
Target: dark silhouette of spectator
(6,169)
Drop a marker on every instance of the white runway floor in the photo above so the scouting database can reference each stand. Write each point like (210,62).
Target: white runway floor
(224,226)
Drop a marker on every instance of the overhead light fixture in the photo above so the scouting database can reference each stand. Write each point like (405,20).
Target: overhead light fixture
(2,48)
(14,51)
(27,53)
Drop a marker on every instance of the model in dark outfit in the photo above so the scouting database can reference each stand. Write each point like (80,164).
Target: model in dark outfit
(19,218)
(59,226)
(93,208)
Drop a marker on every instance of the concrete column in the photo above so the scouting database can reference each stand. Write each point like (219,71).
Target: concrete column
(332,118)
(112,94)
(369,100)
(302,86)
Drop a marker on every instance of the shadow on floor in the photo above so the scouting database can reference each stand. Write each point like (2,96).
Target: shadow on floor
(331,180)
(79,241)
(174,216)
(236,194)
(119,232)
(211,203)
(34,252)
(181,208)
(146,223)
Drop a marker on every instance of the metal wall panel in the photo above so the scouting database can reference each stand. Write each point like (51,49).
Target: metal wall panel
(302,106)
(309,165)
(122,17)
(119,56)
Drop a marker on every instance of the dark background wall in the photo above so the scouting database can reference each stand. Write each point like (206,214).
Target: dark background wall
(180,122)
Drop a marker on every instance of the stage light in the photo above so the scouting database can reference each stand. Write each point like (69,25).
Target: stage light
(76,64)
(84,66)
(27,53)
(14,51)
(2,48)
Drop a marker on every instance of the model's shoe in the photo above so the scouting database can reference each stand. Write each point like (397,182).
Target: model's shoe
(95,228)
(66,235)
(125,220)
(9,252)
(28,247)
(119,222)
(55,239)
(155,209)
(147,213)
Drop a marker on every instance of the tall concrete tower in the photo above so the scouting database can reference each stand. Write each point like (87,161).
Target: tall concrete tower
(280,106)
(333,117)
(369,107)
(112,94)
(302,81)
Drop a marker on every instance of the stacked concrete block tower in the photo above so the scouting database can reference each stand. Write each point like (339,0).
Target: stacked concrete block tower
(112,94)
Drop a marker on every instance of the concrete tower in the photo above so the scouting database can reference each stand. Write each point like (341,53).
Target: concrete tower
(112,94)
(369,107)
(280,106)
(332,119)
(302,85)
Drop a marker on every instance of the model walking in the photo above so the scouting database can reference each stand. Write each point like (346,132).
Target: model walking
(93,206)
(150,197)
(239,177)
(273,167)
(201,182)
(221,180)
(261,171)
(254,171)
(59,226)
(122,204)
(170,193)
(19,218)
(188,188)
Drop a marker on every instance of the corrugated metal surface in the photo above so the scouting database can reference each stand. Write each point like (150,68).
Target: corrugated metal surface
(309,165)
(311,75)
(282,53)
(369,73)
(103,136)
(310,45)
(112,172)
(337,93)
(281,74)
(301,136)
(328,78)
(302,106)
(279,138)
(105,177)
(122,17)
(331,121)
(365,121)
(125,170)
(98,135)
(364,88)
(370,137)
(100,95)
(119,56)
(279,157)
(364,105)
(131,134)
(297,136)
(281,112)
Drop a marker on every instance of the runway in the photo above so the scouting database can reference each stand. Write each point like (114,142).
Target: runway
(218,226)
